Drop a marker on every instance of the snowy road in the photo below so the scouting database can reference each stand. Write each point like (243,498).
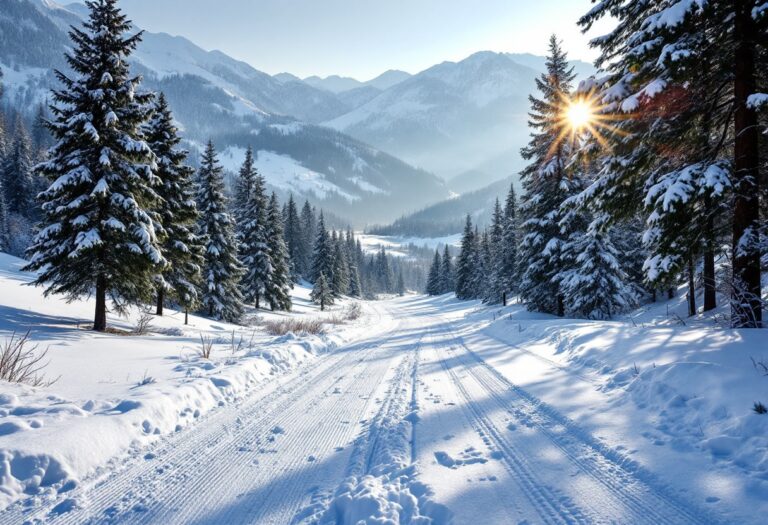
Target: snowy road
(486,448)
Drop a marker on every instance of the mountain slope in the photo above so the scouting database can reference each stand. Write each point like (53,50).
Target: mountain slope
(447,217)
(214,96)
(454,117)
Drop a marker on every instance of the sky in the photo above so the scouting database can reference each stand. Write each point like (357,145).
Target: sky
(363,38)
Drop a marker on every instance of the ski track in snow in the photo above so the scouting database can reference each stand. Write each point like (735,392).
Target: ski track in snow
(615,489)
(280,454)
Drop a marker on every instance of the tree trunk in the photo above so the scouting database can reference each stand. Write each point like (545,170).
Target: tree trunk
(100,316)
(186,316)
(504,298)
(258,301)
(560,306)
(210,310)
(671,293)
(708,277)
(160,301)
(746,309)
(653,295)
(691,287)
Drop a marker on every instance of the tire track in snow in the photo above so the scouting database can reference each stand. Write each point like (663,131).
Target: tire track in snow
(626,482)
(192,472)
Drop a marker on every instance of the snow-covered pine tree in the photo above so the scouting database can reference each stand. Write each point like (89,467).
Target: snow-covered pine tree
(177,212)
(16,172)
(465,265)
(447,277)
(98,230)
(222,271)
(596,287)
(508,269)
(321,292)
(340,283)
(254,239)
(246,179)
(543,179)
(495,287)
(278,290)
(322,254)
(294,238)
(384,275)
(434,278)
(309,236)
(675,89)
(483,271)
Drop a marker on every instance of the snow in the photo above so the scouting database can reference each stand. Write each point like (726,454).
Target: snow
(757,100)
(284,172)
(398,246)
(102,403)
(427,410)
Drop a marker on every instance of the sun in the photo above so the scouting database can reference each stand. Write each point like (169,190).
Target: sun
(580,114)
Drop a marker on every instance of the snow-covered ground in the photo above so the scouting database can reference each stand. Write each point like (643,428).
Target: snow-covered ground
(425,410)
(398,246)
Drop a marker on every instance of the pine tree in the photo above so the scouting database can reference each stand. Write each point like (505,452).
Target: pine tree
(16,171)
(278,293)
(465,265)
(177,212)
(447,277)
(434,278)
(544,181)
(322,255)
(400,286)
(294,238)
(309,230)
(686,136)
(340,283)
(321,292)
(508,269)
(254,238)
(244,184)
(98,229)
(596,287)
(222,271)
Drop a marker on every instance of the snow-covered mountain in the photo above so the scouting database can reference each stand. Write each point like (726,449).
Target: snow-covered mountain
(338,84)
(215,96)
(455,117)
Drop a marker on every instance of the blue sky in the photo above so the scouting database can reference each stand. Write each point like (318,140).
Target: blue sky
(362,38)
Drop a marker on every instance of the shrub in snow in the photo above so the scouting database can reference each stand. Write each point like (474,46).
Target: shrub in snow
(759,408)
(312,326)
(21,363)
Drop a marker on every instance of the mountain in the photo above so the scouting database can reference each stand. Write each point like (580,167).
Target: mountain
(339,85)
(448,217)
(214,96)
(467,117)
(333,83)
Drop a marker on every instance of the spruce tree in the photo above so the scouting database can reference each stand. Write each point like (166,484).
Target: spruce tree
(686,136)
(596,288)
(177,212)
(400,285)
(434,278)
(244,184)
(447,277)
(222,271)
(309,231)
(254,237)
(278,290)
(496,286)
(465,265)
(294,238)
(340,283)
(544,181)
(321,292)
(16,172)
(322,255)
(508,269)
(98,230)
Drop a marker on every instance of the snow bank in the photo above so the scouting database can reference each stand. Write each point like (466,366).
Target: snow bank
(118,392)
